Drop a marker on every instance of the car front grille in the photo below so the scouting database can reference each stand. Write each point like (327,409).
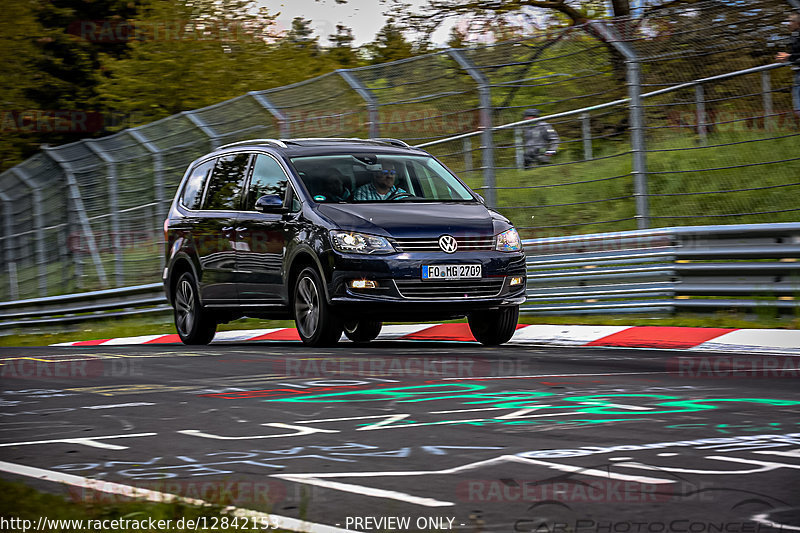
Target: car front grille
(465,244)
(481,288)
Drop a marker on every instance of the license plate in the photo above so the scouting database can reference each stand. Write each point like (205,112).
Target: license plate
(450,272)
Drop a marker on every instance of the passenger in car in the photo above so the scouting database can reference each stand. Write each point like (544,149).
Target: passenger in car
(332,186)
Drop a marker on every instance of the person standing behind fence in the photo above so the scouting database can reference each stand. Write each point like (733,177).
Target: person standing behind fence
(540,141)
(793,58)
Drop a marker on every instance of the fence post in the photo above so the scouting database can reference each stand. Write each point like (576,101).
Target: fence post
(519,152)
(213,136)
(700,107)
(487,139)
(158,180)
(636,112)
(467,144)
(38,223)
(586,130)
(80,210)
(113,208)
(766,94)
(8,255)
(283,123)
(369,98)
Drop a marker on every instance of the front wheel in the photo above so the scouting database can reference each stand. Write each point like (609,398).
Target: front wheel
(494,327)
(316,323)
(362,330)
(194,324)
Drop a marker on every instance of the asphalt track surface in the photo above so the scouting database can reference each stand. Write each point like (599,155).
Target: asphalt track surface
(429,436)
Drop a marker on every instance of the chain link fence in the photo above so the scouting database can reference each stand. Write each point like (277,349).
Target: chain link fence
(655,131)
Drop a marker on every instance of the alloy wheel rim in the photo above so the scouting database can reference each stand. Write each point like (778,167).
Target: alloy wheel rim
(307,306)
(184,307)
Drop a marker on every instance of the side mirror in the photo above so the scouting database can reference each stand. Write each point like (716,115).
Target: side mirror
(481,199)
(269,203)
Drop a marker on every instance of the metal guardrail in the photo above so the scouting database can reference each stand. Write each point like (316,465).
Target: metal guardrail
(85,306)
(696,268)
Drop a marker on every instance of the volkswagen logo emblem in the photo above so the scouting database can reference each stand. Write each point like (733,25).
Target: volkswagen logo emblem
(448,244)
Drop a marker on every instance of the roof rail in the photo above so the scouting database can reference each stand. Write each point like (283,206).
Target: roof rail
(276,142)
(396,142)
(384,140)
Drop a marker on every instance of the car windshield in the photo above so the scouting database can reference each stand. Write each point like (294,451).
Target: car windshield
(354,178)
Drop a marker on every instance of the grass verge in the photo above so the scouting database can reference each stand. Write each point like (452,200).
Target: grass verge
(22,503)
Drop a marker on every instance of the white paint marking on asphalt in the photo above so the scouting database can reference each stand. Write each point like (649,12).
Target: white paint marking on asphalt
(299,431)
(561,375)
(469,410)
(319,478)
(367,491)
(764,519)
(342,419)
(275,521)
(114,406)
(86,441)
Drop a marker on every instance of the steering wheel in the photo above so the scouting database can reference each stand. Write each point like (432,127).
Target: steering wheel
(396,195)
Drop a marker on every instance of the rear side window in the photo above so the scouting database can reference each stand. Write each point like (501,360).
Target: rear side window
(268,178)
(192,196)
(226,182)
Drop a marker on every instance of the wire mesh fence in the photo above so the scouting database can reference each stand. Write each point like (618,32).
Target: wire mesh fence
(717,142)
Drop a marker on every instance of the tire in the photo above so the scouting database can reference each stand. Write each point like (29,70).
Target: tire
(362,331)
(316,323)
(491,328)
(194,324)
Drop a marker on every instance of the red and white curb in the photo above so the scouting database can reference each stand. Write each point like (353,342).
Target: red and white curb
(663,337)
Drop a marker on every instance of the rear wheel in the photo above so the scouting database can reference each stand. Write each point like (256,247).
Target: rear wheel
(494,327)
(316,323)
(194,324)
(362,330)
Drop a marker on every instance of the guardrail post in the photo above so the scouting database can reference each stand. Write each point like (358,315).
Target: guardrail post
(487,139)
(113,208)
(369,98)
(38,223)
(80,211)
(158,181)
(519,148)
(212,135)
(638,145)
(766,95)
(586,130)
(8,249)
(700,107)
(283,122)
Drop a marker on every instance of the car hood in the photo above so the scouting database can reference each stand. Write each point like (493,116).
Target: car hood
(403,219)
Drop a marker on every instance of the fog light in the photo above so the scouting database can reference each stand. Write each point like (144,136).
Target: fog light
(516,280)
(363,284)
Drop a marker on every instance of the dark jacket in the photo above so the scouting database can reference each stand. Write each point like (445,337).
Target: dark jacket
(794,50)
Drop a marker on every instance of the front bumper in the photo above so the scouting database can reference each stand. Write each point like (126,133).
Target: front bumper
(402,293)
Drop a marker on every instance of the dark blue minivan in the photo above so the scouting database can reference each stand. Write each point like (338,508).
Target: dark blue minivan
(341,235)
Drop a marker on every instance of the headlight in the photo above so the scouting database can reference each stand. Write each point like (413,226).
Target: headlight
(509,241)
(360,243)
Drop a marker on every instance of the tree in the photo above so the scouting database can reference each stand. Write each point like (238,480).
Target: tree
(389,45)
(342,52)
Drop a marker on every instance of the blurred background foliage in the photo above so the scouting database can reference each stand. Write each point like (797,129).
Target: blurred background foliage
(83,55)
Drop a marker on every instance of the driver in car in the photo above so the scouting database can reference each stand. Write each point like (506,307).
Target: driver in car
(382,186)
